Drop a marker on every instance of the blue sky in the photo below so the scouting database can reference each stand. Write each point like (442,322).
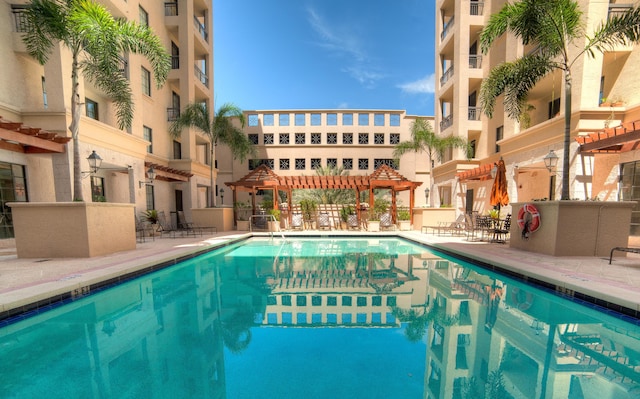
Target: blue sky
(325,54)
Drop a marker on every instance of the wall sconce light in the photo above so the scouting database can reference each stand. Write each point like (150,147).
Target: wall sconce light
(551,161)
(426,196)
(94,163)
(221,196)
(151,174)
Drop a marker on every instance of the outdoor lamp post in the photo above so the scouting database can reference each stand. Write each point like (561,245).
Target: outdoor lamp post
(426,196)
(94,162)
(551,161)
(151,173)
(221,196)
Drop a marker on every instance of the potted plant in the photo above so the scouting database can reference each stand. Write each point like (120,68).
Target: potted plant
(274,225)
(243,210)
(380,206)
(494,213)
(308,208)
(404,219)
(345,212)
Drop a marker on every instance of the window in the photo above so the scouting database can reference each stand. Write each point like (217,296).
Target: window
(267,119)
(316,163)
(97,189)
(91,109)
(253,119)
(254,163)
(376,300)
(391,301)
(363,138)
(253,138)
(361,301)
(150,197)
(378,138)
(332,138)
(283,119)
(332,162)
(146,81)
(363,164)
(347,138)
(301,164)
(301,300)
(316,138)
(346,300)
(554,108)
(499,136)
(300,119)
(286,300)
(284,164)
(384,161)
(300,138)
(347,119)
(472,149)
(347,163)
(332,300)
(332,119)
(394,138)
(363,119)
(316,119)
(144,16)
(378,120)
(147,134)
(394,120)
(177,150)
(284,138)
(267,138)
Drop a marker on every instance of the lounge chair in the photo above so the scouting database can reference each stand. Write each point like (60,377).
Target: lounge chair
(633,250)
(386,223)
(297,222)
(324,222)
(164,226)
(143,230)
(192,228)
(352,222)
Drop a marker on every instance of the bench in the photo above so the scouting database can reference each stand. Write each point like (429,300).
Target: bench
(634,250)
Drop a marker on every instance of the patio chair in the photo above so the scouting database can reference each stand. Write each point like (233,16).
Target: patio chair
(164,226)
(501,232)
(143,230)
(297,222)
(386,223)
(190,227)
(352,222)
(324,222)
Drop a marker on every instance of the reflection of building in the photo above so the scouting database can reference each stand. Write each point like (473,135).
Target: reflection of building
(541,346)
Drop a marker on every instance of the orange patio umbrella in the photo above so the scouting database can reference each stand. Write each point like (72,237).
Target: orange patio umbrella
(499,194)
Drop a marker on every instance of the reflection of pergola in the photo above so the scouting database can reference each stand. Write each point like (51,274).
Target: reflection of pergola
(263,178)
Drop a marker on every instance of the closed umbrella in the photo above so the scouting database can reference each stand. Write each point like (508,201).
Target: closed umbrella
(499,194)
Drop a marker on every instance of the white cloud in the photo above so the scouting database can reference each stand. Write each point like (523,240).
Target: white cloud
(425,85)
(335,39)
(365,77)
(343,105)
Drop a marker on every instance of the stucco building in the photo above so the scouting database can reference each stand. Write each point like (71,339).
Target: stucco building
(605,95)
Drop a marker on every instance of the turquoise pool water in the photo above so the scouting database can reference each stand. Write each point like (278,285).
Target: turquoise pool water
(321,318)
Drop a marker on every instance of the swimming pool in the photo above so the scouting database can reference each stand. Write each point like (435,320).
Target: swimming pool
(320,318)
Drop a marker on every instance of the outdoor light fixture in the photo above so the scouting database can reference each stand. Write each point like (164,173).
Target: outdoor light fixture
(151,174)
(551,161)
(94,163)
(221,196)
(426,196)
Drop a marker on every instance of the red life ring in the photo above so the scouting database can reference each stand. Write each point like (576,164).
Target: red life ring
(529,213)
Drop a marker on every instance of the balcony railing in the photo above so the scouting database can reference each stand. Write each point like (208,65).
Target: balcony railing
(616,10)
(201,76)
(20,19)
(477,8)
(446,76)
(175,62)
(201,29)
(446,122)
(475,61)
(171,9)
(474,113)
(447,28)
(173,114)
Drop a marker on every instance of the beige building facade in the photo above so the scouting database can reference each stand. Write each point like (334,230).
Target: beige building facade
(39,96)
(605,95)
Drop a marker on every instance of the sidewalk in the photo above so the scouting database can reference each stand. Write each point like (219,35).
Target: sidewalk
(27,281)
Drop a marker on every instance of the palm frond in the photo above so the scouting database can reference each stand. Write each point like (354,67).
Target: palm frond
(617,30)
(193,116)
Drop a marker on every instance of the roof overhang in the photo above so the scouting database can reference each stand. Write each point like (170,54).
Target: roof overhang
(623,138)
(17,137)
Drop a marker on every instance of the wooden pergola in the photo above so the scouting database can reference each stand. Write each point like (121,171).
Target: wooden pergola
(384,177)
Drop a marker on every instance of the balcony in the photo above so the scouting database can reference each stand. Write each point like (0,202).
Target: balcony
(474,113)
(173,114)
(477,8)
(202,30)
(447,28)
(446,122)
(201,76)
(617,10)
(175,62)
(171,9)
(448,74)
(20,19)
(475,61)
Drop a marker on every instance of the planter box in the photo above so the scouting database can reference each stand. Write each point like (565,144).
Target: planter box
(404,225)
(242,225)
(273,225)
(72,229)
(575,228)
(221,218)
(373,225)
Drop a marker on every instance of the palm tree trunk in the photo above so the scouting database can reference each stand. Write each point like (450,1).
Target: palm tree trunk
(74,128)
(567,135)
(212,181)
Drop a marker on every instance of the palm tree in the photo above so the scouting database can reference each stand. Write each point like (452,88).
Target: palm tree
(555,28)
(219,129)
(424,139)
(327,195)
(97,42)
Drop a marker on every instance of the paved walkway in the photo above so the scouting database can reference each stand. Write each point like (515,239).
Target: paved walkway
(26,281)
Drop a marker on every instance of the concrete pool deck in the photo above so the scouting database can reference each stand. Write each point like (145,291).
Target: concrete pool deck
(24,282)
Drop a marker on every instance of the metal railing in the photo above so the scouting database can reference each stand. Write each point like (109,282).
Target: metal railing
(175,62)
(201,76)
(617,10)
(171,9)
(475,61)
(201,28)
(447,28)
(446,122)
(21,22)
(476,8)
(446,76)
(173,114)
(474,113)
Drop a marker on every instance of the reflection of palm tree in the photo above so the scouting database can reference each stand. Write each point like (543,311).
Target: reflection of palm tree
(418,320)
(236,329)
